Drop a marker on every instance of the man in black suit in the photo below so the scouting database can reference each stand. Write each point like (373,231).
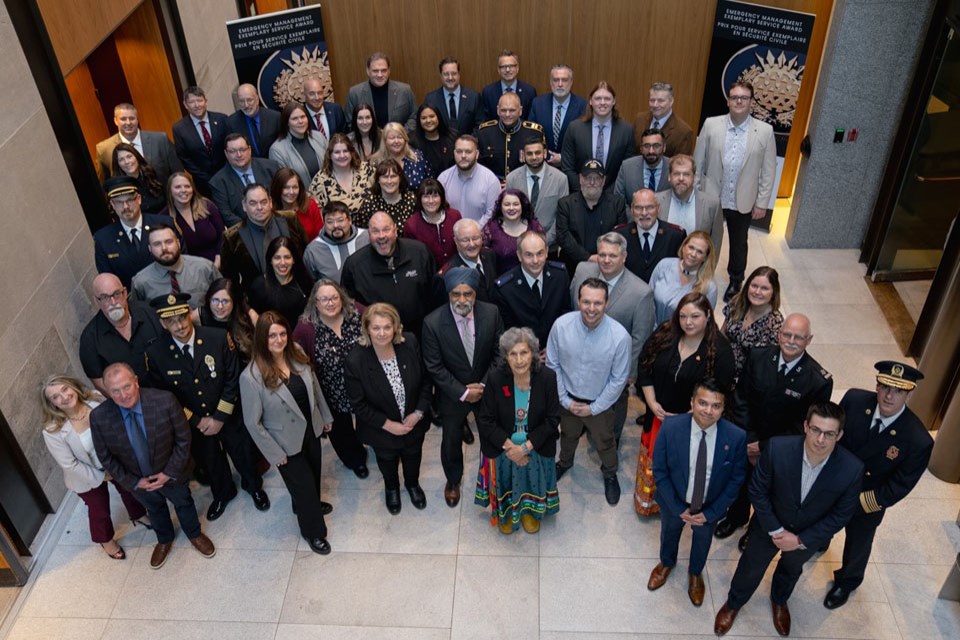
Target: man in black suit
(649,239)
(326,118)
(199,137)
(508,66)
(471,253)
(199,366)
(559,107)
(154,146)
(776,387)
(534,293)
(143,441)
(501,140)
(121,248)
(599,135)
(256,123)
(895,448)
(460,342)
(804,490)
(243,257)
(241,170)
(457,105)
(586,214)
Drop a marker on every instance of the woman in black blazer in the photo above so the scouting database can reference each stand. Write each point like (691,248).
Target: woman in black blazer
(518,425)
(384,373)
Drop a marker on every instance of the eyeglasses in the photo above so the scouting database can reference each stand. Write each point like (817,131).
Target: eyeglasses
(645,207)
(740,98)
(220,302)
(116,296)
(829,435)
(507,66)
(328,299)
(235,152)
(651,146)
(795,337)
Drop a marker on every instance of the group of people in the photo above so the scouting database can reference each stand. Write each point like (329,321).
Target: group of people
(361,273)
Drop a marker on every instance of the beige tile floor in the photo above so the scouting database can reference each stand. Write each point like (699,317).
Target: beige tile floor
(446,573)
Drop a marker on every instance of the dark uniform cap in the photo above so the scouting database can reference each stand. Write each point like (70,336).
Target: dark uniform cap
(171,304)
(897,375)
(592,166)
(120,186)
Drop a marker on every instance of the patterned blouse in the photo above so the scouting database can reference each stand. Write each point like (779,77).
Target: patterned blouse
(400,212)
(325,188)
(417,170)
(762,333)
(392,369)
(329,353)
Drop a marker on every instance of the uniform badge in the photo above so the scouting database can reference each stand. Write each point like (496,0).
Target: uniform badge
(892,453)
(897,370)
(211,364)
(171,299)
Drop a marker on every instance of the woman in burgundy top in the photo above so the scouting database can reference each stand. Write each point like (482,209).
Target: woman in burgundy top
(197,218)
(512,215)
(433,223)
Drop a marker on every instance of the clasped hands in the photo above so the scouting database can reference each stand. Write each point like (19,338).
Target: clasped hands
(402,428)
(154,482)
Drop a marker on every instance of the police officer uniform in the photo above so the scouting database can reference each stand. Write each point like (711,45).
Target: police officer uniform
(766,404)
(207,384)
(894,454)
(519,306)
(501,149)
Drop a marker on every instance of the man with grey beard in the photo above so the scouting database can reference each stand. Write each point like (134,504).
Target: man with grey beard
(120,332)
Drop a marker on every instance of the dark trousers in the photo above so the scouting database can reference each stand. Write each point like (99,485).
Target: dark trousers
(452,417)
(856,549)
(346,444)
(98,510)
(208,453)
(620,414)
(753,564)
(600,428)
(671,526)
(156,503)
(389,462)
(738,224)
(739,512)
(239,446)
(301,474)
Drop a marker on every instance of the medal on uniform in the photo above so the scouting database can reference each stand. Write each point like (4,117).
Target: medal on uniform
(211,364)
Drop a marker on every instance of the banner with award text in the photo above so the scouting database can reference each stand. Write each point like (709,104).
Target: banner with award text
(768,48)
(276,52)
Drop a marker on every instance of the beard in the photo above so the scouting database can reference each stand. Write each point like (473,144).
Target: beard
(116,314)
(462,308)
(165,261)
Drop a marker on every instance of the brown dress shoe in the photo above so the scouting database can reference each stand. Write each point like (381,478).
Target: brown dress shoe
(781,618)
(160,553)
(451,493)
(203,544)
(658,576)
(724,621)
(696,590)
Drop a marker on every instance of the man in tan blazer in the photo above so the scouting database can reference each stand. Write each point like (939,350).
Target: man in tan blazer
(736,160)
(677,134)
(686,207)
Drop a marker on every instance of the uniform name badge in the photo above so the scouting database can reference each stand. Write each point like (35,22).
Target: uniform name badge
(211,364)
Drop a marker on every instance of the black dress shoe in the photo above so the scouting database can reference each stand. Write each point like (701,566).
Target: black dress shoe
(260,500)
(393,501)
(417,497)
(726,528)
(217,507)
(836,597)
(732,290)
(467,434)
(361,471)
(742,542)
(319,545)
(325,508)
(611,488)
(561,470)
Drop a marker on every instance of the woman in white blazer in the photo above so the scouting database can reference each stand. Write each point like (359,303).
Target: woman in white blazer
(66,407)
(285,412)
(298,146)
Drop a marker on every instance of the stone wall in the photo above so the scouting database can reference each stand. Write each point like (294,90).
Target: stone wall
(209,49)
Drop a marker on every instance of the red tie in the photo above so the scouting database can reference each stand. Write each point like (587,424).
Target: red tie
(323,132)
(207,140)
(174,283)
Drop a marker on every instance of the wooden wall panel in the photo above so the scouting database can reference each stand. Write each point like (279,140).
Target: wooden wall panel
(147,70)
(84,96)
(77,27)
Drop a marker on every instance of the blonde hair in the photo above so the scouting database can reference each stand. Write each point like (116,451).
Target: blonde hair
(383,153)
(54,417)
(383,310)
(706,270)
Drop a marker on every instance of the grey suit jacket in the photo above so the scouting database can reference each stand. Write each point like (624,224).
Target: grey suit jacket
(226,188)
(401,103)
(632,178)
(553,186)
(282,151)
(274,419)
(157,150)
(759,168)
(709,216)
(630,303)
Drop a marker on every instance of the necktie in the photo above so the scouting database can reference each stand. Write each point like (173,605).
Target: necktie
(535,191)
(453,109)
(207,140)
(246,178)
(480,270)
(323,132)
(556,127)
(645,249)
(186,352)
(174,283)
(468,341)
(655,124)
(508,90)
(699,476)
(875,427)
(254,135)
(138,440)
(782,373)
(135,239)
(652,182)
(598,152)
(536,292)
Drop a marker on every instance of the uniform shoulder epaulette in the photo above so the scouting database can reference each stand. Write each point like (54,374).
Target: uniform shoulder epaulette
(556,264)
(488,123)
(504,279)
(826,374)
(624,226)
(536,126)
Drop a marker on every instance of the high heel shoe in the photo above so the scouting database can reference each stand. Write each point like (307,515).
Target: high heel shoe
(119,554)
(143,521)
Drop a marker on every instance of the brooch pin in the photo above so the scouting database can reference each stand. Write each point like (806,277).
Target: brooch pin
(892,453)
(506,391)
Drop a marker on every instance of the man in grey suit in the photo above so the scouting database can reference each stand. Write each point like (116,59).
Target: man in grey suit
(242,169)
(154,146)
(630,303)
(460,342)
(736,158)
(647,171)
(544,186)
(688,208)
(392,101)
(259,124)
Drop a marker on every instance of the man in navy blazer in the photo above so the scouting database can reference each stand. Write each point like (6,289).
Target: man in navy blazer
(331,116)
(200,157)
(508,66)
(804,490)
(543,110)
(256,123)
(698,465)
(468,114)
